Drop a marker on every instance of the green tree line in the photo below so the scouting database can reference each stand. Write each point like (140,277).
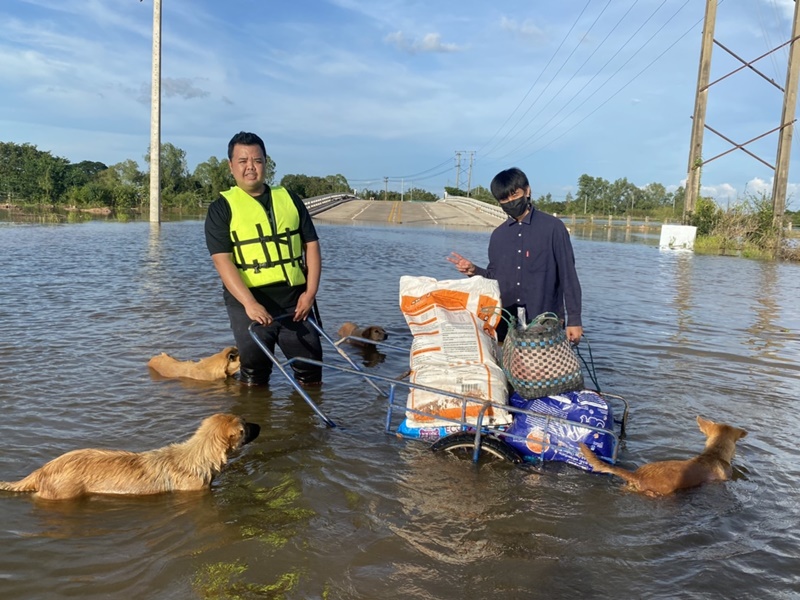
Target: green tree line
(32,176)
(596,195)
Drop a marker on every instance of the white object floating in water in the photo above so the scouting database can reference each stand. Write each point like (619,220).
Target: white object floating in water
(678,237)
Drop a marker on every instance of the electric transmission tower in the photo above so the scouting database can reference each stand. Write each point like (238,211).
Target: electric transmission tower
(785,128)
(469,171)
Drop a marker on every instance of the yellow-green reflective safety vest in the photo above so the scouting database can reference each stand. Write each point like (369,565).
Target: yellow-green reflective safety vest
(267,247)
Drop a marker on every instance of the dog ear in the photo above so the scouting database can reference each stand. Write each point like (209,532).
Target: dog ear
(704,424)
(236,434)
(233,355)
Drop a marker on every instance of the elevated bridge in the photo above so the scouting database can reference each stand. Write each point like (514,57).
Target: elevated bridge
(451,211)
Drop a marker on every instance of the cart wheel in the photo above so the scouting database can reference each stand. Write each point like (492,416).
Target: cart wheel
(462,444)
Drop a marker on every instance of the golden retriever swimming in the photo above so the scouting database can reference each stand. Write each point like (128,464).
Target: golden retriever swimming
(665,477)
(187,466)
(374,333)
(217,366)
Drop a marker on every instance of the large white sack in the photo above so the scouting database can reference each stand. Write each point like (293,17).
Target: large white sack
(454,349)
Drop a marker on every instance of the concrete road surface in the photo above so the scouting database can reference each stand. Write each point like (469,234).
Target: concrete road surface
(415,214)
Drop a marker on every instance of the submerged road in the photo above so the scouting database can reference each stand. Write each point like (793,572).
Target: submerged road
(442,213)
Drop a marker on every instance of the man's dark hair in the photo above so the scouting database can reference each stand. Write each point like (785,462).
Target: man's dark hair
(246,138)
(507,182)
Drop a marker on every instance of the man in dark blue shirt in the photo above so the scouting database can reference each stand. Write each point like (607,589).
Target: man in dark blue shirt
(530,256)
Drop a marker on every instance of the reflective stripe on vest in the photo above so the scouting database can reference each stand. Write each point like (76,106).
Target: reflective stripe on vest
(266,252)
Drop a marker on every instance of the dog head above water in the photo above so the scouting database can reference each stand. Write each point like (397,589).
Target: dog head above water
(373,333)
(232,363)
(376,333)
(233,429)
(721,437)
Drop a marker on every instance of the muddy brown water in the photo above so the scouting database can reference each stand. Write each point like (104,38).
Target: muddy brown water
(311,512)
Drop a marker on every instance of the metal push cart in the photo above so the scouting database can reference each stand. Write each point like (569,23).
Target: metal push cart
(460,436)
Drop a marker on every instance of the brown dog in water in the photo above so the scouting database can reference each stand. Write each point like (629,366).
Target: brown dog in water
(665,477)
(373,333)
(217,366)
(188,466)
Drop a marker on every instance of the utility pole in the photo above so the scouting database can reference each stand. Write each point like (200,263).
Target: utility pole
(699,117)
(458,169)
(385,188)
(787,125)
(469,176)
(155,119)
(402,188)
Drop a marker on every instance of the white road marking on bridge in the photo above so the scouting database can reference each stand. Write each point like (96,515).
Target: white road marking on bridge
(353,218)
(427,210)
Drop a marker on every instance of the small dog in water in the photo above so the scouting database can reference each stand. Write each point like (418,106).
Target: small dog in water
(665,477)
(188,466)
(374,333)
(217,366)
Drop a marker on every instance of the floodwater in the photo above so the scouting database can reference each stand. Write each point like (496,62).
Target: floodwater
(311,512)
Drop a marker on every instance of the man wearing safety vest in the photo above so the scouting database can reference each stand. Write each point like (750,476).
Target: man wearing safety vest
(266,250)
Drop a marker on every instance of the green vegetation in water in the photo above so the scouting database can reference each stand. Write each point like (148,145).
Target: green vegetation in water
(745,229)
(271,516)
(223,581)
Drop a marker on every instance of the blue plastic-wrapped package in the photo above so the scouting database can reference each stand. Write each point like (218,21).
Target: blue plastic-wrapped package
(429,433)
(540,438)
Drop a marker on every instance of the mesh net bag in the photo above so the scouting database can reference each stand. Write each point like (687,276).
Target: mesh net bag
(538,360)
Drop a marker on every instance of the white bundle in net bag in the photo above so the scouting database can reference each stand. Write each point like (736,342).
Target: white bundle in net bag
(454,349)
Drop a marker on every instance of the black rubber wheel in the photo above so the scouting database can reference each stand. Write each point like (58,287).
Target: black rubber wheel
(462,444)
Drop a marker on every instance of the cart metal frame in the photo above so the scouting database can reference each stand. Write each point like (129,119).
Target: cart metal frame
(395,405)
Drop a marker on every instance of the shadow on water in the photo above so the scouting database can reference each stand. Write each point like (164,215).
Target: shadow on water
(309,512)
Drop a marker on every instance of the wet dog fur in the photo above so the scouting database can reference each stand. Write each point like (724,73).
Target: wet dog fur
(186,466)
(666,477)
(374,333)
(218,366)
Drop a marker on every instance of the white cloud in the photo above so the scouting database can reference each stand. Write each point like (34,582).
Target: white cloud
(525,28)
(430,42)
(757,187)
(723,193)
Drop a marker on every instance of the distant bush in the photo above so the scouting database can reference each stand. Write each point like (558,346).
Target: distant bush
(705,216)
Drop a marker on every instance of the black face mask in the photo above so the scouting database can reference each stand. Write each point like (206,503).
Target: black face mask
(516,208)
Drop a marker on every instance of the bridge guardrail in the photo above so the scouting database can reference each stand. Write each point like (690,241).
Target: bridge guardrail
(489,209)
(317,204)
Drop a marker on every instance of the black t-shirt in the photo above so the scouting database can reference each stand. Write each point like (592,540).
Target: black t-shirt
(277,298)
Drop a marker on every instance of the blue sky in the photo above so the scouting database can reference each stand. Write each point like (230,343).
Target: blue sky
(396,88)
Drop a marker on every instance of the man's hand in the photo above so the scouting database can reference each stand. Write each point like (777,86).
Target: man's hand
(304,304)
(574,334)
(258,313)
(462,264)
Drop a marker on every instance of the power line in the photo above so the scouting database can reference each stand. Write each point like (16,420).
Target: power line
(416,175)
(631,80)
(530,89)
(539,133)
(597,73)
(563,64)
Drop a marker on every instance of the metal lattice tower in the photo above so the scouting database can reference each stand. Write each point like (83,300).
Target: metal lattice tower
(785,128)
